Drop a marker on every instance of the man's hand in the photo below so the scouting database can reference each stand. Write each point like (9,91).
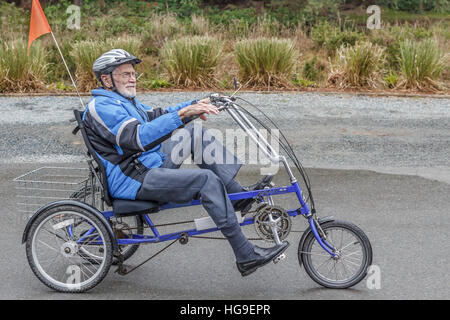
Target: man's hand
(202,108)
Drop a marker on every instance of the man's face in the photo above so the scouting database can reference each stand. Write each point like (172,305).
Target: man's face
(124,79)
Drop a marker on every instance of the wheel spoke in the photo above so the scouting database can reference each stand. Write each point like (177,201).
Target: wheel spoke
(48,246)
(351,257)
(316,254)
(351,262)
(347,245)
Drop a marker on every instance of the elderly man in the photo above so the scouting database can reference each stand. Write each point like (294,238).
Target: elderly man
(131,140)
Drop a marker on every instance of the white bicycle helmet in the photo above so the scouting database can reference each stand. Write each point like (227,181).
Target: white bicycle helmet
(107,62)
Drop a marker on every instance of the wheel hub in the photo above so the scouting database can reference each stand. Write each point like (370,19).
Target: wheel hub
(69,249)
(337,255)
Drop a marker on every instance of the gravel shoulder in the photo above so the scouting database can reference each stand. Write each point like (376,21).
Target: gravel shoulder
(404,135)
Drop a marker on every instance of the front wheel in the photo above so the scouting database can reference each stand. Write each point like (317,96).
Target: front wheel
(353,255)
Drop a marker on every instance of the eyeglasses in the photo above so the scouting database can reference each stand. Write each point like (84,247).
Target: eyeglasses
(127,75)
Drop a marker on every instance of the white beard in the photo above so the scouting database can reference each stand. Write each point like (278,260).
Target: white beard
(128,92)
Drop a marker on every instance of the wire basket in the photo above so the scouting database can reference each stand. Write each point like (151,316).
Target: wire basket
(48,184)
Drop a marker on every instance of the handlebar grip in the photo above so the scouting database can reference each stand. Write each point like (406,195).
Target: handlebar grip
(190,119)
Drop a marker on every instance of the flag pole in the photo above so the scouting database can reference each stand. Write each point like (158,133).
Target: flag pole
(68,71)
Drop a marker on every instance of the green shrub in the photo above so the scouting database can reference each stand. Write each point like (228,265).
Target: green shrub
(391,80)
(56,13)
(357,66)
(191,61)
(319,9)
(312,71)
(332,38)
(232,16)
(421,64)
(417,5)
(13,19)
(265,61)
(110,26)
(155,83)
(20,72)
(304,83)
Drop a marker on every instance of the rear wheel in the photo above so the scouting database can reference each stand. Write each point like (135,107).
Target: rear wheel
(353,255)
(69,248)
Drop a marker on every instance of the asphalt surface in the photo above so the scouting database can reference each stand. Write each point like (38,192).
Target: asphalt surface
(346,143)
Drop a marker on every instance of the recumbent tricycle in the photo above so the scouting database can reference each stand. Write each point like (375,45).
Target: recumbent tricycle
(72,243)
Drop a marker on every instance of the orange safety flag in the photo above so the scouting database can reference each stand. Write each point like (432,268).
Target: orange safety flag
(38,23)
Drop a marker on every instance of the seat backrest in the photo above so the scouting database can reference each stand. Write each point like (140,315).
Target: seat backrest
(91,152)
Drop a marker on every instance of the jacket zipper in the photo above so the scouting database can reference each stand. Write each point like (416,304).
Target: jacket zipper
(143,114)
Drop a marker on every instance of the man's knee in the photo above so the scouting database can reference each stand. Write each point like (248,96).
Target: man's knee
(211,183)
(209,175)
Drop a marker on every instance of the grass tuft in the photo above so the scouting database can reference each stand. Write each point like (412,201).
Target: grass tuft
(191,61)
(421,64)
(20,72)
(266,61)
(357,66)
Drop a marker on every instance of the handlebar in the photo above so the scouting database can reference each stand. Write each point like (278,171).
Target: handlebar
(221,102)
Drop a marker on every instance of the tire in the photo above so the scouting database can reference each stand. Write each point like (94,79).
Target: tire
(84,194)
(355,255)
(69,261)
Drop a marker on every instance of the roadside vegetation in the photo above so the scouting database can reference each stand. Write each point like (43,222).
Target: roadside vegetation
(268,45)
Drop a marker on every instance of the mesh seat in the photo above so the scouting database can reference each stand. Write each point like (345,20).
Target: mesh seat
(120,207)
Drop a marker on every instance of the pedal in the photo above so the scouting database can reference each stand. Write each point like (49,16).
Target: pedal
(279,258)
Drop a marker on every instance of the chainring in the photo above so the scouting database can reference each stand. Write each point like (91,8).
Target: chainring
(262,222)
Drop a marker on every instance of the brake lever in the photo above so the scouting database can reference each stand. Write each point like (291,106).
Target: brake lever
(216,98)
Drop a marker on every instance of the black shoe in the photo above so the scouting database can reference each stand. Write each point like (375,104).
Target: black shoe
(264,257)
(244,205)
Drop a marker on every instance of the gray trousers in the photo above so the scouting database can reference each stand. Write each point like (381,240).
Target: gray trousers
(169,183)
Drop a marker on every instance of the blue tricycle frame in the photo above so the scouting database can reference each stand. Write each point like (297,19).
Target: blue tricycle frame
(136,239)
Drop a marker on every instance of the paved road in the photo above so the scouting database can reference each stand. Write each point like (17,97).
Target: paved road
(405,217)
(346,142)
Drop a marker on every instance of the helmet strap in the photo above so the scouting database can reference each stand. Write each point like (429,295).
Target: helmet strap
(114,85)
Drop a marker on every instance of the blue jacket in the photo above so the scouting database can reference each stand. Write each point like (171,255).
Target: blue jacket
(126,136)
